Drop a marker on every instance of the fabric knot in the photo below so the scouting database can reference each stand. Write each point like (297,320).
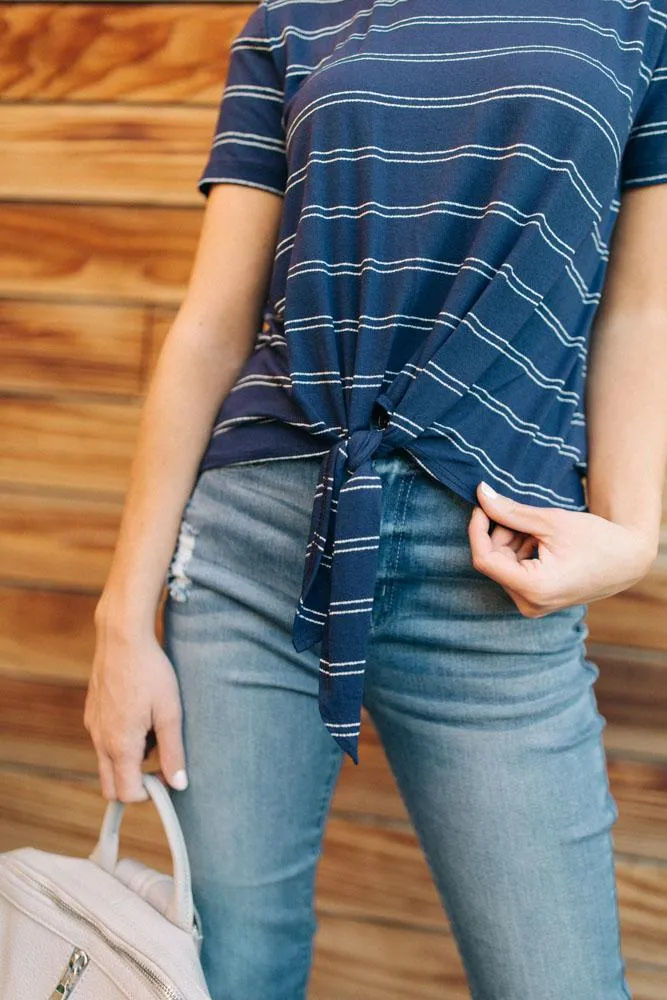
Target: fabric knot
(362,445)
(336,601)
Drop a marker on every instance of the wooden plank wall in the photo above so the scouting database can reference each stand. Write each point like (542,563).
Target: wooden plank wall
(106,114)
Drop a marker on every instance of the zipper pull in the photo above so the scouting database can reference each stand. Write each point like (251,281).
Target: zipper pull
(78,961)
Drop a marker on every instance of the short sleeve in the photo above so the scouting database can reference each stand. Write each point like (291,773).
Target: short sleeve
(645,154)
(248,145)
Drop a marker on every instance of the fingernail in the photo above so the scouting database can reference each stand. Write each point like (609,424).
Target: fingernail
(179,780)
(487,490)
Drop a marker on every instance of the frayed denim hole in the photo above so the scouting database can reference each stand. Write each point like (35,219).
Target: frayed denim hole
(178,582)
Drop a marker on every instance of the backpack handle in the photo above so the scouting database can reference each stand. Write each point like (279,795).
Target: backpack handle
(180,909)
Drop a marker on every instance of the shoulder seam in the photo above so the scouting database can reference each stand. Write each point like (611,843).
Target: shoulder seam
(278,59)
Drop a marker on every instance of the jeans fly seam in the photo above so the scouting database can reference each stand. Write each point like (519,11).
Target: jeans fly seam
(402,511)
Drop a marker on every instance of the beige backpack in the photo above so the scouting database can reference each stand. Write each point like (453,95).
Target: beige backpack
(100,928)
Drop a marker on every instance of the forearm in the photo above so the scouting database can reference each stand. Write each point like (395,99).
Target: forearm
(627,420)
(195,371)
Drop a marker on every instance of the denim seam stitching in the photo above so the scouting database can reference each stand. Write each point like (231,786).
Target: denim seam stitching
(402,508)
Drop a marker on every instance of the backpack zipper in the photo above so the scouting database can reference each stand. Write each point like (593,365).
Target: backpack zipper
(160,987)
(78,961)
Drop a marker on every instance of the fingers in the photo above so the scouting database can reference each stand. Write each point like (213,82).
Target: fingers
(107,782)
(538,521)
(151,743)
(119,767)
(504,564)
(127,778)
(519,543)
(501,535)
(170,748)
(478,532)
(133,705)
(526,548)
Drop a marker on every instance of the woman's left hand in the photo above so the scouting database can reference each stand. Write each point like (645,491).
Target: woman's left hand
(581,557)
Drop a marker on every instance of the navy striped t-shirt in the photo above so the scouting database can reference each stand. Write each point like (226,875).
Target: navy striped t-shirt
(451,176)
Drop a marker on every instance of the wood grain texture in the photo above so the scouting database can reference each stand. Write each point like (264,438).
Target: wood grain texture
(60,347)
(46,635)
(73,445)
(352,889)
(107,114)
(148,53)
(41,726)
(355,960)
(640,790)
(632,687)
(32,813)
(49,635)
(104,152)
(44,719)
(632,742)
(637,616)
(64,542)
(116,254)
(388,960)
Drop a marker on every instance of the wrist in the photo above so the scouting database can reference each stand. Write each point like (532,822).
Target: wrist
(640,513)
(648,543)
(646,534)
(119,615)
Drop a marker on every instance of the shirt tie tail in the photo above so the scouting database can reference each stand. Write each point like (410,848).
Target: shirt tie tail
(311,610)
(336,602)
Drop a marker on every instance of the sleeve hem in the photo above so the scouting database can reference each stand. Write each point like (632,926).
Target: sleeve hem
(205,183)
(652,172)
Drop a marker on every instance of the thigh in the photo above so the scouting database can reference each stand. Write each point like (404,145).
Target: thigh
(261,765)
(491,727)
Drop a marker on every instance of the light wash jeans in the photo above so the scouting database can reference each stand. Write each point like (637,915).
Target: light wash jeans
(488,719)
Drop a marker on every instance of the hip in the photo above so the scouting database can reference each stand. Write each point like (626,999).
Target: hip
(245,529)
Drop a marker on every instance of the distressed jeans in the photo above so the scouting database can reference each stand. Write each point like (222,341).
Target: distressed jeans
(488,719)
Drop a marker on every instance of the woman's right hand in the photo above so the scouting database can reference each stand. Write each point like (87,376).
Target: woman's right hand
(132,689)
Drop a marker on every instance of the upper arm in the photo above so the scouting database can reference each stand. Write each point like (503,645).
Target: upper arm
(231,270)
(635,283)
(636,278)
(243,181)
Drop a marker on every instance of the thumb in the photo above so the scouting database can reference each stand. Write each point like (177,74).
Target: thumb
(171,752)
(523,517)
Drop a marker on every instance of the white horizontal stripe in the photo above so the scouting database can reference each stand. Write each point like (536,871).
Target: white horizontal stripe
(501,475)
(514,92)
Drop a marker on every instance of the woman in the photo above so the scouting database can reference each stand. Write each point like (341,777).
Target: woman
(407,232)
